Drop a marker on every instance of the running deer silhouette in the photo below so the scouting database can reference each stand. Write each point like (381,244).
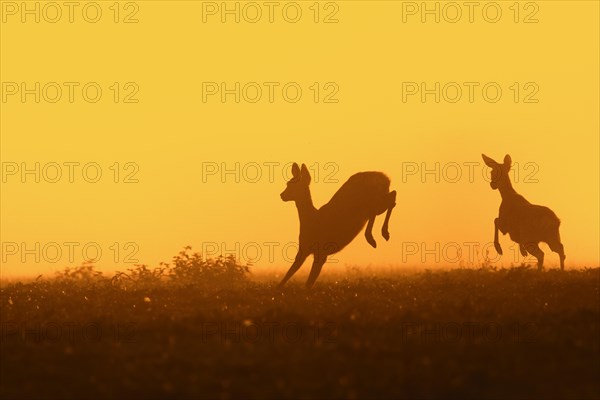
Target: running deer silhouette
(329,229)
(528,224)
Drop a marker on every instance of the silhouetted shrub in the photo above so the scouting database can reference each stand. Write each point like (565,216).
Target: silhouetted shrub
(186,268)
(84,275)
(139,277)
(192,268)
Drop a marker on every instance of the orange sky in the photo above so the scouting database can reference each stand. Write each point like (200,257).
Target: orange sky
(161,132)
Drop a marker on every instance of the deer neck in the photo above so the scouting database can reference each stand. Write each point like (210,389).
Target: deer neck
(306,209)
(506,189)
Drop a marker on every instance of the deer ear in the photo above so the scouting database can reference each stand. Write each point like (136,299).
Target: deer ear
(304,174)
(488,161)
(295,170)
(507,162)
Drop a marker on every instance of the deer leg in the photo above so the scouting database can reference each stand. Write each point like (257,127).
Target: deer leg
(300,258)
(392,203)
(315,270)
(558,247)
(369,232)
(534,250)
(523,250)
(496,242)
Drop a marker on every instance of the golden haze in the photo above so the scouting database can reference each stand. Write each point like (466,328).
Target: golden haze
(173,136)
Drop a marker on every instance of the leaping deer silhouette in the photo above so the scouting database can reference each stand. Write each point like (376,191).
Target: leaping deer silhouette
(527,224)
(332,227)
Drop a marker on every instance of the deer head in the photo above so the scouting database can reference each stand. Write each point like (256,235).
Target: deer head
(297,187)
(499,173)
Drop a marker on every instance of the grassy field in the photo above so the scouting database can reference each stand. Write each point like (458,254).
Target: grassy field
(481,334)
